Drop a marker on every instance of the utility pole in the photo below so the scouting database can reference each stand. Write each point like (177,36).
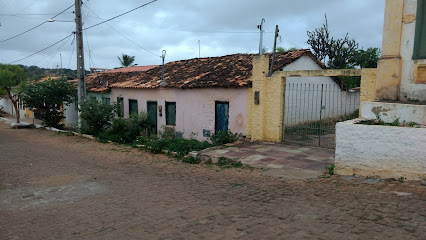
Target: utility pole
(199,49)
(62,72)
(271,69)
(81,90)
(163,56)
(260,27)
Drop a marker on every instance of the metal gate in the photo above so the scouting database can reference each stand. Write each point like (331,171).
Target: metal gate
(312,111)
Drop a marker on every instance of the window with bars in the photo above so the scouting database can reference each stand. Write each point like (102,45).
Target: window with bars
(106,100)
(133,106)
(420,34)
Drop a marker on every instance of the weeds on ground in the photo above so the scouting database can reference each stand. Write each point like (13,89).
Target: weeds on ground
(402,179)
(395,123)
(68,134)
(228,163)
(181,146)
(191,160)
(224,137)
(234,185)
(329,171)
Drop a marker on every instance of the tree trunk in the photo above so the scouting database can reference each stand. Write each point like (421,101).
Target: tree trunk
(18,114)
(15,105)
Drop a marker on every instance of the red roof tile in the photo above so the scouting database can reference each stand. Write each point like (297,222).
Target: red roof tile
(226,71)
(231,71)
(101,81)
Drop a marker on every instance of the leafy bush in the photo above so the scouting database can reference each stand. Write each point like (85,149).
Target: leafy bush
(97,116)
(181,146)
(127,130)
(224,137)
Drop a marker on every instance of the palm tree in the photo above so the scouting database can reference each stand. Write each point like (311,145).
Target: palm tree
(126,60)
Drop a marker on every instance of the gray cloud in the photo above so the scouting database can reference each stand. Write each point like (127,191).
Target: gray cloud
(223,27)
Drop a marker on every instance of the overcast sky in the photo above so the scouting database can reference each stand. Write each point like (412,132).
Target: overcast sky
(222,27)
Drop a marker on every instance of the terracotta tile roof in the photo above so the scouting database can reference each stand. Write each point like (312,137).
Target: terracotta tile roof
(231,71)
(101,81)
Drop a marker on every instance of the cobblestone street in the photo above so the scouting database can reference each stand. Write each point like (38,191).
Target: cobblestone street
(54,186)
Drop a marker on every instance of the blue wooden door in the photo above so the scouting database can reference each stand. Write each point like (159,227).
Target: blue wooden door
(221,116)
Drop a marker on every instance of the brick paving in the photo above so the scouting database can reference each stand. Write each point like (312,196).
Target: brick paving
(54,186)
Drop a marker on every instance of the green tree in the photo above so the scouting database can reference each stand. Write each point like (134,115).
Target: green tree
(49,96)
(10,77)
(366,58)
(337,52)
(126,60)
(281,49)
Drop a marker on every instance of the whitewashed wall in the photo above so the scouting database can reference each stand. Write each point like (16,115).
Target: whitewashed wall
(303,95)
(382,151)
(7,105)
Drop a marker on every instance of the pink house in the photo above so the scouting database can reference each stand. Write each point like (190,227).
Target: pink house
(197,97)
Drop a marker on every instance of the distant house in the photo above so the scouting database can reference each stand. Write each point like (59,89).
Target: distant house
(201,96)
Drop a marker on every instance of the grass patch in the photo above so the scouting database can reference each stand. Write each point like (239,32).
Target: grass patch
(228,163)
(191,160)
(181,146)
(234,185)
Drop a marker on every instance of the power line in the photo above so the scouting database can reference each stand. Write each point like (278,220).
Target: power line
(43,49)
(72,52)
(27,6)
(123,34)
(55,52)
(28,14)
(120,15)
(7,39)
(193,30)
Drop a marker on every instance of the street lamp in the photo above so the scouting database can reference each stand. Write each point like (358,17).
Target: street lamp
(54,20)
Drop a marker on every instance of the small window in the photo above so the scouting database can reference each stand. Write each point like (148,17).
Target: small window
(171,113)
(133,106)
(420,34)
(120,102)
(93,99)
(106,100)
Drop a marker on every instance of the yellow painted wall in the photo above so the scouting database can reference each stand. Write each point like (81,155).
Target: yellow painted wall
(368,84)
(264,120)
(28,113)
(392,28)
(389,66)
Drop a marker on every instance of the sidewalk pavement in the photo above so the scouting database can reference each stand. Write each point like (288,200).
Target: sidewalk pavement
(277,159)
(12,119)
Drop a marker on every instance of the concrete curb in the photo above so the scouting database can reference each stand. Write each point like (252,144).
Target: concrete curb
(23,124)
